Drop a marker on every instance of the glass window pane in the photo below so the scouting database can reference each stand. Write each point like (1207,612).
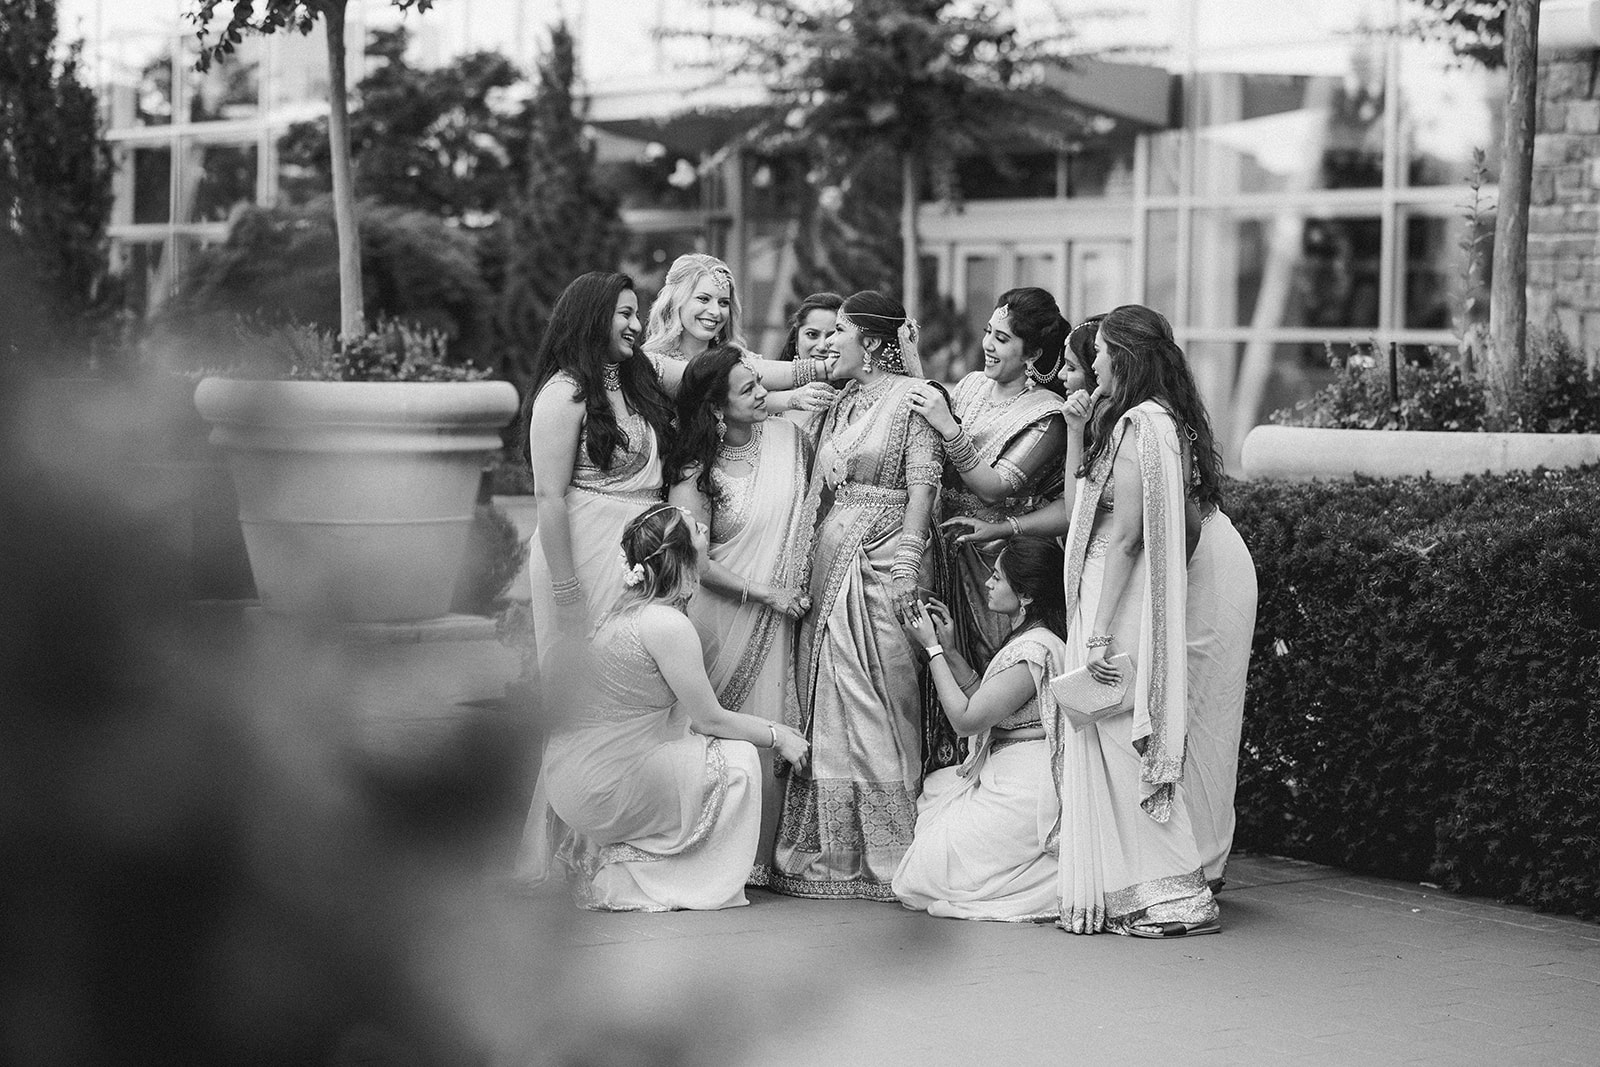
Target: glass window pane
(1291,120)
(1227,24)
(1446,285)
(1285,269)
(1161,262)
(1038,269)
(217,177)
(1165,166)
(1242,383)
(152,184)
(231,89)
(1447,109)
(152,101)
(981,289)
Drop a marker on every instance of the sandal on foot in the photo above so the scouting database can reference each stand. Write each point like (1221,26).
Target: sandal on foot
(1163,931)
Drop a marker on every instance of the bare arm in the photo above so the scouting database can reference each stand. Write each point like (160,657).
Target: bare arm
(672,642)
(1126,542)
(993,699)
(553,433)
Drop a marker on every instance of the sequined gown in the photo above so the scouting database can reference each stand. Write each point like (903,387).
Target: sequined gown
(644,814)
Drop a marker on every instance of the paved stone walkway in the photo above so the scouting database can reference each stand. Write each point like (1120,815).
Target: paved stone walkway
(1315,965)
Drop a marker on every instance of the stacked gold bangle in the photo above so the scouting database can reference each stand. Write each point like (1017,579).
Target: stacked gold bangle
(961,451)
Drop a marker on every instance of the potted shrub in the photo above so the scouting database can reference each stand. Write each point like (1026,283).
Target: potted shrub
(1431,418)
(357,465)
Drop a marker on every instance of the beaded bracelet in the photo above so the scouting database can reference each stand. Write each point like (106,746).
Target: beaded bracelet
(962,452)
(1099,641)
(567,592)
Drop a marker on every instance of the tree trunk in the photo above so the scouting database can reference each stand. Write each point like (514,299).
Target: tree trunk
(910,238)
(351,308)
(1508,300)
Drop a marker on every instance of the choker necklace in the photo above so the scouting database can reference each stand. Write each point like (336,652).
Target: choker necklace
(613,378)
(745,453)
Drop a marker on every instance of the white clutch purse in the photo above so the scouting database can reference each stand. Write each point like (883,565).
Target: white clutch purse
(1085,700)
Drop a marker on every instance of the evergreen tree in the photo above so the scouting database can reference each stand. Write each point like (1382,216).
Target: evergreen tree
(430,139)
(566,221)
(55,187)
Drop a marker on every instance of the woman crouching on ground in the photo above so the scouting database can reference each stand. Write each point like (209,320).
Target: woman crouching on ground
(653,789)
(984,845)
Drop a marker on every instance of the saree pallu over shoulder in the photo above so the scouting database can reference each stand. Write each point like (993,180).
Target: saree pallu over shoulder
(1161,686)
(848,819)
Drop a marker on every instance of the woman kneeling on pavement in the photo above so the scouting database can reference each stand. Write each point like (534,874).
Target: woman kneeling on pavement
(985,846)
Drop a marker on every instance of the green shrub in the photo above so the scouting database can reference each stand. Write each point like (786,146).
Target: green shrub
(280,265)
(1422,687)
(495,552)
(1558,393)
(393,351)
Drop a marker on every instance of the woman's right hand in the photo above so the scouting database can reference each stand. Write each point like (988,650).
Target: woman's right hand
(930,403)
(975,531)
(944,623)
(1077,409)
(791,603)
(792,745)
(814,396)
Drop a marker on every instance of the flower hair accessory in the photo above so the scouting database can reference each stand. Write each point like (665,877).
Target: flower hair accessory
(635,573)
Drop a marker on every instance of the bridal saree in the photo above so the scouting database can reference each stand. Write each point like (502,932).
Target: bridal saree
(1129,863)
(847,820)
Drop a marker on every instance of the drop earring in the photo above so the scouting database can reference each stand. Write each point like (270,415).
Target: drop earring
(722,424)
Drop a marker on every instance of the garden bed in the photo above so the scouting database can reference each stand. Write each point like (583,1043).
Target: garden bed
(1423,685)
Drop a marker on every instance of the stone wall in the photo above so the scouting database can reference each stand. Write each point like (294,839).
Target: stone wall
(1564,219)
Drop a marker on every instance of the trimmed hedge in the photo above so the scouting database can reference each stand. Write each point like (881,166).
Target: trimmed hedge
(1424,681)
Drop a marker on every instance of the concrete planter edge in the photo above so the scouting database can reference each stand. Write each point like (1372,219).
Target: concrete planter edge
(1303,453)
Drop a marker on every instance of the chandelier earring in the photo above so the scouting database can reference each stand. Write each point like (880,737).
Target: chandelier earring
(722,423)
(866,359)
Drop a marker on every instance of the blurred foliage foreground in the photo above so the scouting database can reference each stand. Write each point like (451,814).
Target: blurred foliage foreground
(1422,698)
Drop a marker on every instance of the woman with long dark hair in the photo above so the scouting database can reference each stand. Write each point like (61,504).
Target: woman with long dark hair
(811,327)
(651,786)
(594,421)
(847,823)
(743,474)
(1003,437)
(985,841)
(1129,859)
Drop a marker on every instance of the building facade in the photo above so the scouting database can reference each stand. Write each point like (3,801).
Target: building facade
(1273,183)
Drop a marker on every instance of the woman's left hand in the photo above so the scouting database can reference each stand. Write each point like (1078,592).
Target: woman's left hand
(791,603)
(929,402)
(1100,668)
(904,593)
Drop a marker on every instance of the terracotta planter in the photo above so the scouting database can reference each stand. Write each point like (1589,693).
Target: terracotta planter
(355,498)
(1300,453)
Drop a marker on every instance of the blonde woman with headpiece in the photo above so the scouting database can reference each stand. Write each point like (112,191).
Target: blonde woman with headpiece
(743,474)
(847,822)
(697,308)
(1004,436)
(649,791)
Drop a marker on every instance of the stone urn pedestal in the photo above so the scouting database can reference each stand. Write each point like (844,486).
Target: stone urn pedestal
(356,498)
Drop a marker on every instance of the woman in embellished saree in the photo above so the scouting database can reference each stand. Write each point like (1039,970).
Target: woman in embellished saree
(744,475)
(1129,861)
(986,834)
(847,822)
(593,421)
(1003,438)
(652,791)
